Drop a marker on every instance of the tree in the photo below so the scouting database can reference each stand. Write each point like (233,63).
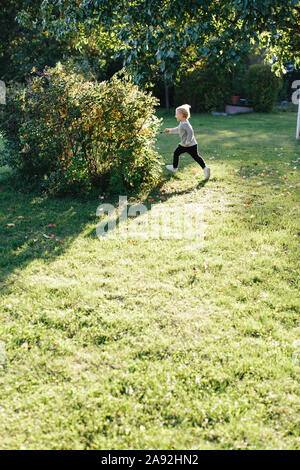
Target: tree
(154,34)
(25,46)
(29,43)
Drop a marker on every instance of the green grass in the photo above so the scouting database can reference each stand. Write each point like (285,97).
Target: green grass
(121,344)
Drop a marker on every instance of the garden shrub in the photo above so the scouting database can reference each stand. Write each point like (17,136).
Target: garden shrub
(216,91)
(73,135)
(238,80)
(191,89)
(203,87)
(263,87)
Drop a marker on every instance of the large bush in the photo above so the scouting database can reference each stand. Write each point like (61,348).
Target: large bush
(204,87)
(263,87)
(73,135)
(191,89)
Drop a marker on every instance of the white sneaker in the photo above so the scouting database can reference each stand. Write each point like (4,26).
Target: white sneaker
(206,173)
(170,167)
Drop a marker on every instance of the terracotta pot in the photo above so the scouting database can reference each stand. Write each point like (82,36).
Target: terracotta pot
(235,99)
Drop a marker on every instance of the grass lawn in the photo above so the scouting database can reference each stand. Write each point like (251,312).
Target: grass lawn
(159,343)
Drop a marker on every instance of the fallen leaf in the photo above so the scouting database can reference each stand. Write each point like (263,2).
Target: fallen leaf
(10,225)
(20,217)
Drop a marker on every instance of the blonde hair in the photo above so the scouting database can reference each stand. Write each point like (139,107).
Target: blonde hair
(184,109)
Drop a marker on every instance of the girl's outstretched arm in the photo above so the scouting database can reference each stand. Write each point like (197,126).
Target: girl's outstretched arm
(174,130)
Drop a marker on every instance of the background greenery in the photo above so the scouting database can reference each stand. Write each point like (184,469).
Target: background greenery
(210,44)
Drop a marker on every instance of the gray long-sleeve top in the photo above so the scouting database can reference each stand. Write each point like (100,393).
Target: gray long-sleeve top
(185,130)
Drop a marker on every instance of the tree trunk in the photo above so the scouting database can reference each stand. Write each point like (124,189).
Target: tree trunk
(167,102)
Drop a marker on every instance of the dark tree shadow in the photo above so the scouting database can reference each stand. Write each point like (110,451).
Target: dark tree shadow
(31,213)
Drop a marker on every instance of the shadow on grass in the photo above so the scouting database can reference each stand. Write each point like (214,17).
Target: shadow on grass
(32,215)
(121,214)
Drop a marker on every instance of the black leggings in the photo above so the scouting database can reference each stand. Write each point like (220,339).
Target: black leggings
(193,151)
